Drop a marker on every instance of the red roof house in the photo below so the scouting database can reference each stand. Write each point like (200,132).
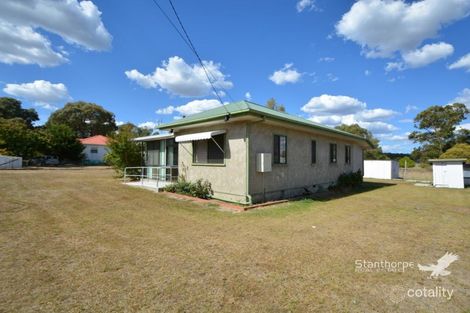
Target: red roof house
(95,149)
(95,140)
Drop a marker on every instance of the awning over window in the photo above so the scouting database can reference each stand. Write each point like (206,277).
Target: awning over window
(199,136)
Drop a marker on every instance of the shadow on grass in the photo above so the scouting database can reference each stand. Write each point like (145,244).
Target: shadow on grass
(328,195)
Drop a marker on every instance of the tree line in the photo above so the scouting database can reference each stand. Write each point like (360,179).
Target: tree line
(59,136)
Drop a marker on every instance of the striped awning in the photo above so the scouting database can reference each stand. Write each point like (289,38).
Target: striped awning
(198,136)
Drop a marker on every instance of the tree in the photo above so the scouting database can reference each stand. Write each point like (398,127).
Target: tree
(60,140)
(17,139)
(11,108)
(138,131)
(459,151)
(424,153)
(462,136)
(437,125)
(406,161)
(273,105)
(85,119)
(374,153)
(123,152)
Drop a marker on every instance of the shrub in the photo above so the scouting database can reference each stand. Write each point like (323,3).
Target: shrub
(201,188)
(349,180)
(409,162)
(459,151)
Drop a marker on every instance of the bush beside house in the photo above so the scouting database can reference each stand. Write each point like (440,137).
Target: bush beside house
(201,188)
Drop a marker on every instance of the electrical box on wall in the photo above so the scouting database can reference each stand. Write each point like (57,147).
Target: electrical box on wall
(263,162)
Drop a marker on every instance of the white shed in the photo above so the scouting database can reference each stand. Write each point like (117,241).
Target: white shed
(382,169)
(448,173)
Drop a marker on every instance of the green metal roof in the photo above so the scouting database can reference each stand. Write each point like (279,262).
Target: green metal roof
(246,107)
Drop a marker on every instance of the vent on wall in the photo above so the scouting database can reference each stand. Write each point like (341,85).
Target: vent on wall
(263,162)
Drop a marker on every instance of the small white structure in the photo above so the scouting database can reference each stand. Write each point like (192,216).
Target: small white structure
(10,162)
(95,149)
(381,169)
(448,173)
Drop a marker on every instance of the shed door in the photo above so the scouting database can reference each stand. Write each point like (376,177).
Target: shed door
(441,175)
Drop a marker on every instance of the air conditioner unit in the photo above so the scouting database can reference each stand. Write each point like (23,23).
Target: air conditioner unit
(263,162)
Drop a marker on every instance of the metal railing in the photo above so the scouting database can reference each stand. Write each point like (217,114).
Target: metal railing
(151,176)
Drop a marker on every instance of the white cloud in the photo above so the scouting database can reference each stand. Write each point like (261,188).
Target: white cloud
(410,108)
(179,78)
(248,95)
(148,125)
(22,45)
(378,127)
(427,54)
(463,126)
(375,114)
(305,5)
(119,123)
(406,120)
(367,73)
(328,104)
(463,62)
(394,66)
(331,77)
(167,111)
(393,137)
(463,97)
(20,42)
(326,59)
(192,107)
(335,110)
(285,75)
(383,27)
(42,93)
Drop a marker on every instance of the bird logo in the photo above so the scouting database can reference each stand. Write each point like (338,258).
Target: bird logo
(439,269)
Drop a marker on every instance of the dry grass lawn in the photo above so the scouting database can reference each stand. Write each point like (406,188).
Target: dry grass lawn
(78,240)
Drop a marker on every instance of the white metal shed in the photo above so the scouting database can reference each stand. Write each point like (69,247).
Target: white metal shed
(448,173)
(381,169)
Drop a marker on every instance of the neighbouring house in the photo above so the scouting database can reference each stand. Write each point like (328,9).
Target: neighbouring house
(251,154)
(381,169)
(450,173)
(95,149)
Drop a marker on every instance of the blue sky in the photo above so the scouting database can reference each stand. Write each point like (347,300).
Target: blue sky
(374,62)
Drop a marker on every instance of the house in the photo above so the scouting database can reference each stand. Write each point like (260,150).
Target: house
(95,149)
(251,154)
(450,173)
(381,169)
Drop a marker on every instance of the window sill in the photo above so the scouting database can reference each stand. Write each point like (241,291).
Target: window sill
(209,164)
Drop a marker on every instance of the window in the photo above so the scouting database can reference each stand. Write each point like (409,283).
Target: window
(280,149)
(93,150)
(209,151)
(333,152)
(347,154)
(314,152)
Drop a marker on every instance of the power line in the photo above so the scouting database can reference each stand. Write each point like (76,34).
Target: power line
(187,40)
(195,51)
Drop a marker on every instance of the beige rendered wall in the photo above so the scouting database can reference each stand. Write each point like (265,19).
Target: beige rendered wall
(229,180)
(291,179)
